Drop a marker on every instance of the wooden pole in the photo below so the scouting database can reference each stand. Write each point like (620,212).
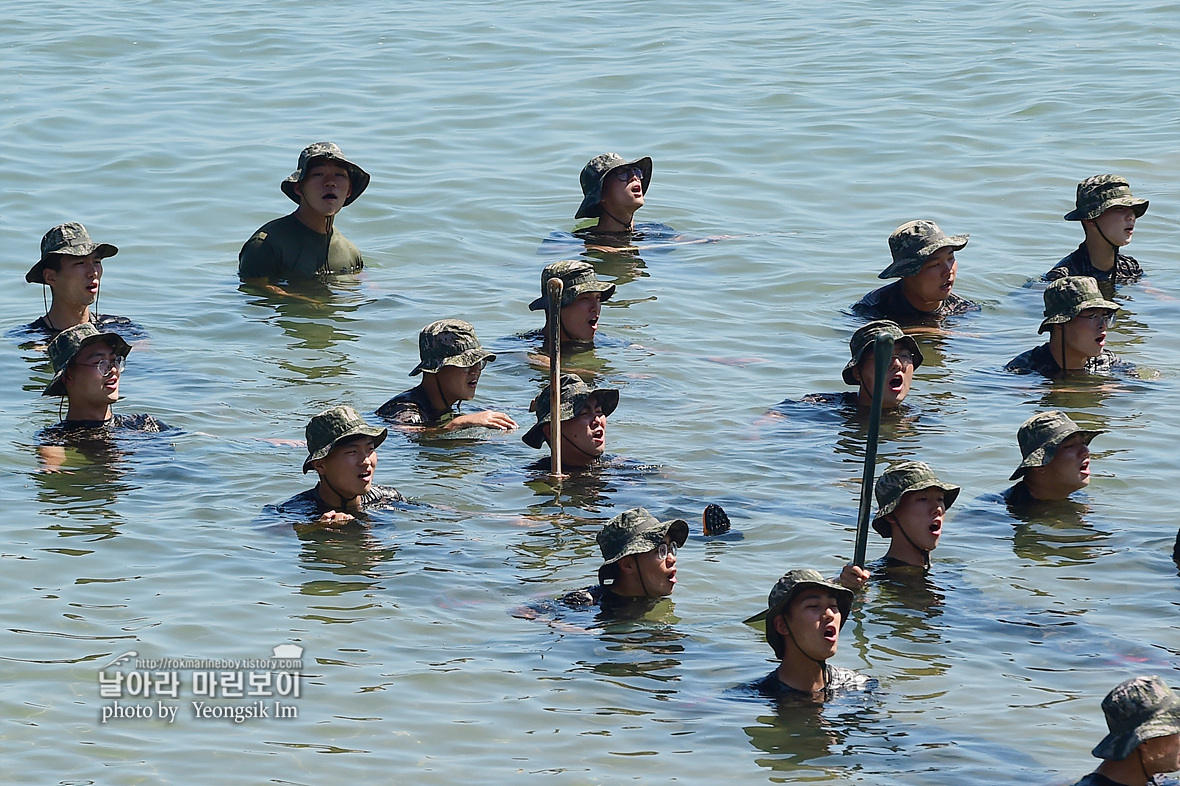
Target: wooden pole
(553,289)
(882,357)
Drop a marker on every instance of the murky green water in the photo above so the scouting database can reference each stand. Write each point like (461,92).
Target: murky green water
(805,132)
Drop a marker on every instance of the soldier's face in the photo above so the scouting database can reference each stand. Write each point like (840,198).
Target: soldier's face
(897,383)
(1085,334)
(458,383)
(324,188)
(1117,224)
(349,467)
(934,282)
(814,620)
(622,197)
(93,375)
(579,320)
(584,435)
(76,280)
(920,516)
(1070,466)
(1161,754)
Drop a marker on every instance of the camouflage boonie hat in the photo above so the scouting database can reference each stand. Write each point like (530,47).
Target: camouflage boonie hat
(865,336)
(634,532)
(595,172)
(1099,193)
(358,177)
(903,477)
(331,426)
(1137,710)
(1042,434)
(912,243)
(449,342)
(785,590)
(576,277)
(1067,297)
(574,393)
(68,343)
(70,239)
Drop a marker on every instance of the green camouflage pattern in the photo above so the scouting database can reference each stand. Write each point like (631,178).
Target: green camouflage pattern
(1099,193)
(595,172)
(864,338)
(1137,710)
(1042,434)
(574,393)
(1067,297)
(903,477)
(331,426)
(576,277)
(70,239)
(636,531)
(329,151)
(784,591)
(912,243)
(449,342)
(68,343)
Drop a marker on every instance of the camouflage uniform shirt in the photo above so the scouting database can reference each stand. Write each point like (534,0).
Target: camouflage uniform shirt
(287,249)
(1125,271)
(310,505)
(888,302)
(106,323)
(836,679)
(1097,779)
(1019,496)
(1040,361)
(413,408)
(70,432)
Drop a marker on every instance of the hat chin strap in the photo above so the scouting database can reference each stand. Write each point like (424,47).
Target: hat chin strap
(1104,237)
(642,583)
(823,664)
(565,438)
(629,226)
(924,552)
(438,387)
(343,499)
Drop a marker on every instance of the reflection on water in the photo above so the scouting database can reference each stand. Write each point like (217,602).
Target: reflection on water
(638,646)
(616,256)
(587,489)
(906,601)
(471,165)
(808,739)
(354,551)
(1056,532)
(315,315)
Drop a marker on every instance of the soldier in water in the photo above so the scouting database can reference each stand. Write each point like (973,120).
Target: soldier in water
(1076,318)
(451,362)
(71,267)
(1107,211)
(925,264)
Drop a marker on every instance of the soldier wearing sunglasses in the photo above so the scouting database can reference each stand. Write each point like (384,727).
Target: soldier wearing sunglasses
(1076,318)
(87,368)
(613,190)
